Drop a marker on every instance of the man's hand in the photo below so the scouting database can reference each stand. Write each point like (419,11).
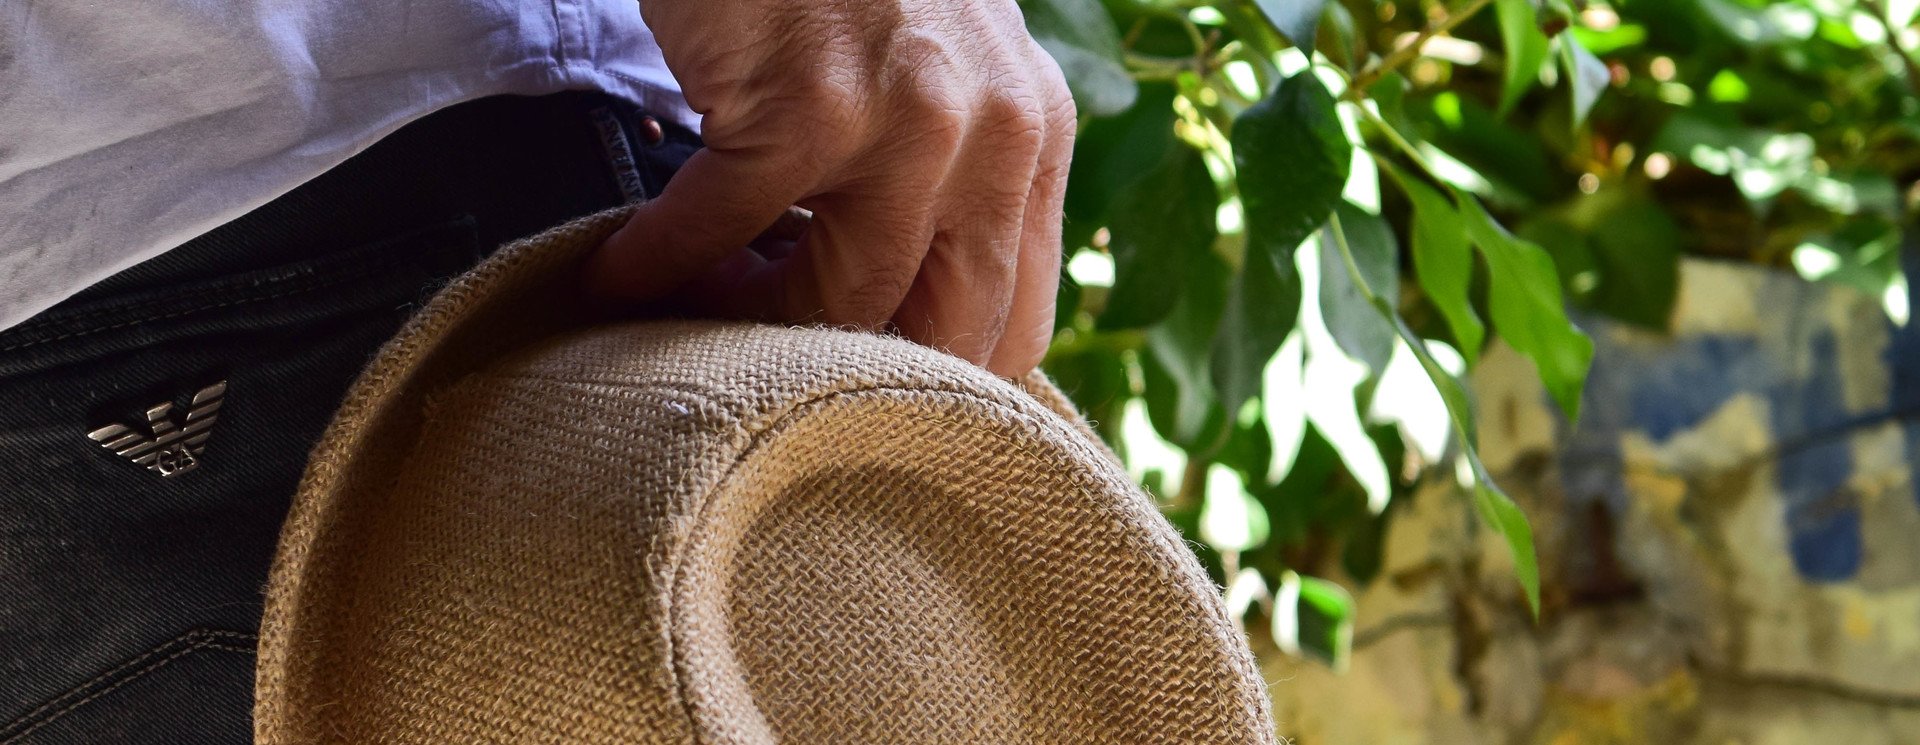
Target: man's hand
(929,138)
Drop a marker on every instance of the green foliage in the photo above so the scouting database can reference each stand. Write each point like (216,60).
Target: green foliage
(1082,39)
(1291,159)
(1293,225)
(1525,46)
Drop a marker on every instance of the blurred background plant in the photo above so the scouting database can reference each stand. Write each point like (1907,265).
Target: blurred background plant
(1293,225)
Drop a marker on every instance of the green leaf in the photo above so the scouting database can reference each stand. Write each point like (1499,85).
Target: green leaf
(1587,77)
(1160,226)
(1514,162)
(1526,48)
(1499,511)
(1095,378)
(1459,408)
(1318,622)
(1297,19)
(1332,377)
(1620,37)
(1493,505)
(1112,153)
(1283,409)
(1524,298)
(1262,307)
(1350,319)
(1572,257)
(1082,39)
(1292,159)
(1636,252)
(1175,364)
(1345,35)
(1443,260)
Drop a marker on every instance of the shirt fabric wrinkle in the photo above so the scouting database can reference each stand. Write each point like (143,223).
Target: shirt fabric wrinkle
(111,159)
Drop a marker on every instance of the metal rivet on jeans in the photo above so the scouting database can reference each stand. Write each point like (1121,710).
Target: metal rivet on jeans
(651,132)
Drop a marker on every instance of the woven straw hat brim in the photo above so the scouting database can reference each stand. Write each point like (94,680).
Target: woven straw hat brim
(529,524)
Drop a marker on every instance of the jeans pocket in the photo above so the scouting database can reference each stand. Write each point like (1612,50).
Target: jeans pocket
(104,559)
(182,691)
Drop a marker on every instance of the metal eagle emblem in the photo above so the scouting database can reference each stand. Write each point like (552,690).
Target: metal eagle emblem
(168,448)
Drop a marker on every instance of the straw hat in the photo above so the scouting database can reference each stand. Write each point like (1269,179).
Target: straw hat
(527,524)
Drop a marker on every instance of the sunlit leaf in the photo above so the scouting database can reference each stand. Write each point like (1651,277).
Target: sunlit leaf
(1152,461)
(1443,261)
(1292,160)
(1314,618)
(1232,520)
(1499,511)
(1524,297)
(1480,152)
(1863,254)
(1247,588)
(1620,37)
(1493,505)
(1327,611)
(1331,376)
(1283,400)
(1525,46)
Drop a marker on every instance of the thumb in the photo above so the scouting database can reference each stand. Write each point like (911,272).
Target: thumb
(717,204)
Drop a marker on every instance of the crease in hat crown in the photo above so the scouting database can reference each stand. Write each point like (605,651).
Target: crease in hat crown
(530,523)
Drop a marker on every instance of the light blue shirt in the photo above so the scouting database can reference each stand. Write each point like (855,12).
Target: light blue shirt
(127,127)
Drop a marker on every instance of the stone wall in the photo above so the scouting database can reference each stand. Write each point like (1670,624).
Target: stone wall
(1730,545)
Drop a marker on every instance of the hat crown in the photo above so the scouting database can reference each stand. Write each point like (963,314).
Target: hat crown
(706,532)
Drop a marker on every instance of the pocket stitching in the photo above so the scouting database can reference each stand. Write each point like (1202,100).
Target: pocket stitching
(306,275)
(194,641)
(189,311)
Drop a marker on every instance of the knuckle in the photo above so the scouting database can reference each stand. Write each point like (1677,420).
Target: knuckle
(820,127)
(1061,114)
(1056,97)
(937,123)
(868,298)
(1013,118)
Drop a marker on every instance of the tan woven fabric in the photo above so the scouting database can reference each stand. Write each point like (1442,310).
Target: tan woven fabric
(526,525)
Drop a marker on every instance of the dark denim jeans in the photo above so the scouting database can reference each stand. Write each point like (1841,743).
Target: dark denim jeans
(130,588)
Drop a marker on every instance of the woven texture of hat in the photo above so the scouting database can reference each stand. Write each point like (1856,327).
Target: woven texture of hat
(530,527)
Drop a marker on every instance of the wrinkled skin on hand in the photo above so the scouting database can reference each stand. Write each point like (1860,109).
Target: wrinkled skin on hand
(929,138)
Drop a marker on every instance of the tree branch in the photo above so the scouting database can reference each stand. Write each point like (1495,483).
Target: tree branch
(1406,53)
(1879,12)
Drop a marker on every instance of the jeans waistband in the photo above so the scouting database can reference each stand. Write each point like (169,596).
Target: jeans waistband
(512,165)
